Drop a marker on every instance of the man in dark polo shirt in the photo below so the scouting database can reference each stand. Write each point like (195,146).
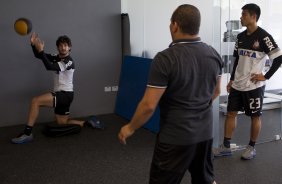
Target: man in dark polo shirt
(184,80)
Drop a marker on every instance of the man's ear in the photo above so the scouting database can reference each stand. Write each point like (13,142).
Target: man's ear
(174,27)
(254,16)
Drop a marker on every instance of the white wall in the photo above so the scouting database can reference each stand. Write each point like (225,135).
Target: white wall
(270,18)
(149,23)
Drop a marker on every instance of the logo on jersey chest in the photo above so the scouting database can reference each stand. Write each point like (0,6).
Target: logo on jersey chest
(256,45)
(269,43)
(69,64)
(247,53)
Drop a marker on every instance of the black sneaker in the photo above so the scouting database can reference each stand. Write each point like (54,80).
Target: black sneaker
(94,123)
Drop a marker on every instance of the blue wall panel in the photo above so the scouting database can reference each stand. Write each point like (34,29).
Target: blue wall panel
(133,81)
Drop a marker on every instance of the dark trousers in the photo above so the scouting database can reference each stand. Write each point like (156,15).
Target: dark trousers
(170,162)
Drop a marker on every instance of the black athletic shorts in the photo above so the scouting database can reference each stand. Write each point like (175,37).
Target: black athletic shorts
(170,162)
(249,101)
(62,101)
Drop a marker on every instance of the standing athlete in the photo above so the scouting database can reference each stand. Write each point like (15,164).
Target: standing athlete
(184,80)
(253,48)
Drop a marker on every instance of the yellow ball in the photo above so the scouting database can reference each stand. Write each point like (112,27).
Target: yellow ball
(23,26)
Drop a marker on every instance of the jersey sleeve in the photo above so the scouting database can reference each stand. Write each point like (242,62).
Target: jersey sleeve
(235,52)
(47,60)
(270,47)
(159,72)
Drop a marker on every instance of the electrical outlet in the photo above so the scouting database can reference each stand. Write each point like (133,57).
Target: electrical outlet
(108,89)
(114,88)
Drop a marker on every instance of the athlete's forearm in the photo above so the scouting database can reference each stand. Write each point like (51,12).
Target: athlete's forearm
(47,63)
(274,67)
(35,52)
(217,88)
(234,68)
(141,116)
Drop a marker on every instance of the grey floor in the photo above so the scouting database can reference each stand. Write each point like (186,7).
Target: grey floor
(95,156)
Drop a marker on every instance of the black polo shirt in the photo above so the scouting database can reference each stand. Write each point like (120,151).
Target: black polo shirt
(188,70)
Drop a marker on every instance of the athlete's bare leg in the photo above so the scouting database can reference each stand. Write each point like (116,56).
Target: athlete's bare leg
(255,128)
(230,124)
(64,119)
(45,100)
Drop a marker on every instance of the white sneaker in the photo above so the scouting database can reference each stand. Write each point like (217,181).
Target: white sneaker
(22,138)
(249,153)
(222,151)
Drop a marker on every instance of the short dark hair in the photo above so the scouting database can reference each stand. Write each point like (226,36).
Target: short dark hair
(188,18)
(253,9)
(63,39)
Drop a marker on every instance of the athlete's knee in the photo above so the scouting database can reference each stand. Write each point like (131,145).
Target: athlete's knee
(255,118)
(232,114)
(35,101)
(62,119)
